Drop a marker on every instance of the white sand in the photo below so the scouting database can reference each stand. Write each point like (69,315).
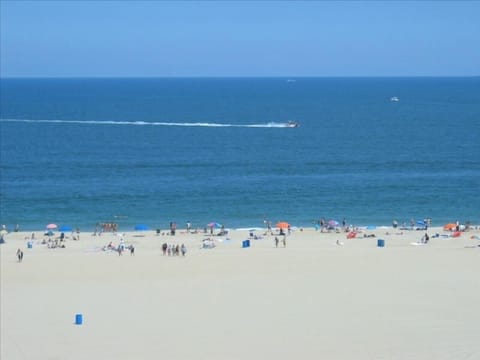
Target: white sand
(310,300)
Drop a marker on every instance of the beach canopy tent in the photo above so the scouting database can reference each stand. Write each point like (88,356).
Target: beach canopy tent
(65,228)
(51,226)
(141,227)
(450,227)
(282,225)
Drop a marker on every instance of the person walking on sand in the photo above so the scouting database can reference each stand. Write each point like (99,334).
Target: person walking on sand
(284,241)
(183,250)
(426,238)
(276,241)
(20,255)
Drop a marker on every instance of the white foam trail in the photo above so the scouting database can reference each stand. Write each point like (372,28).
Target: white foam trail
(145,123)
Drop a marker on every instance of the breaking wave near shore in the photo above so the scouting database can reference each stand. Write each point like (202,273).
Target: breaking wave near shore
(153,123)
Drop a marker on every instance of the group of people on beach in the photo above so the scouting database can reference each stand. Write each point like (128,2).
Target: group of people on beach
(174,250)
(105,227)
(120,248)
(332,225)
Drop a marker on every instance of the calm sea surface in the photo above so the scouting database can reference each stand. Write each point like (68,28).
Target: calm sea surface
(151,151)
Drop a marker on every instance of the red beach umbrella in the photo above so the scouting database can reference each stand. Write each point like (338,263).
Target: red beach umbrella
(450,227)
(283,225)
(51,226)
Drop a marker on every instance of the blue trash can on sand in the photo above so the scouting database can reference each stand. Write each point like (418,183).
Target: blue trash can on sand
(245,243)
(381,243)
(78,319)
(29,245)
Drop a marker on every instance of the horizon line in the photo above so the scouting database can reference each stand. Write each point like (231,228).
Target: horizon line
(292,77)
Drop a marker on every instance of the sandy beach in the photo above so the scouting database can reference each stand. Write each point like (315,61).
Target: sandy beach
(312,299)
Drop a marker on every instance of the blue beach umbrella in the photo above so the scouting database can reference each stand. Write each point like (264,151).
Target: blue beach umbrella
(421,223)
(65,228)
(141,227)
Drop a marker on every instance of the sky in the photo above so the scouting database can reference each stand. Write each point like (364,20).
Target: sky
(239,38)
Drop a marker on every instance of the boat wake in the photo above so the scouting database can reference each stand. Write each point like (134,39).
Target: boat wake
(147,123)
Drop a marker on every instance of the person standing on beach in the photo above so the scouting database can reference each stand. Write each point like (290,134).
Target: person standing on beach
(284,240)
(276,241)
(183,249)
(20,255)
(426,238)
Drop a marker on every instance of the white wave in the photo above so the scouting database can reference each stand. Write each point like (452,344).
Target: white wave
(146,123)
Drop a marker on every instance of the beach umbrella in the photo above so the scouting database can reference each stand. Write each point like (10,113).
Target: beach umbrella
(141,227)
(282,225)
(214,225)
(333,223)
(450,227)
(51,226)
(65,228)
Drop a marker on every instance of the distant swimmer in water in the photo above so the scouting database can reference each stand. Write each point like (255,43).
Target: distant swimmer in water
(293,124)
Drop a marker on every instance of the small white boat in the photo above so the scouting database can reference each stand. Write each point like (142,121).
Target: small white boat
(292,124)
(394,98)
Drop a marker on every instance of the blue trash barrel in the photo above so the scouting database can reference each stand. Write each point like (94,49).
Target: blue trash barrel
(78,319)
(381,243)
(245,243)
(29,245)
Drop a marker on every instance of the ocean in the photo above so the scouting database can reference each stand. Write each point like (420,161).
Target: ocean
(153,151)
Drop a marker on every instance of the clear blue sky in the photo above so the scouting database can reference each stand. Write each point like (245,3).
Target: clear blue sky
(157,38)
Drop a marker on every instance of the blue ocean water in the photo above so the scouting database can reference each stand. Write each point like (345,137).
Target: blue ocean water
(152,151)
